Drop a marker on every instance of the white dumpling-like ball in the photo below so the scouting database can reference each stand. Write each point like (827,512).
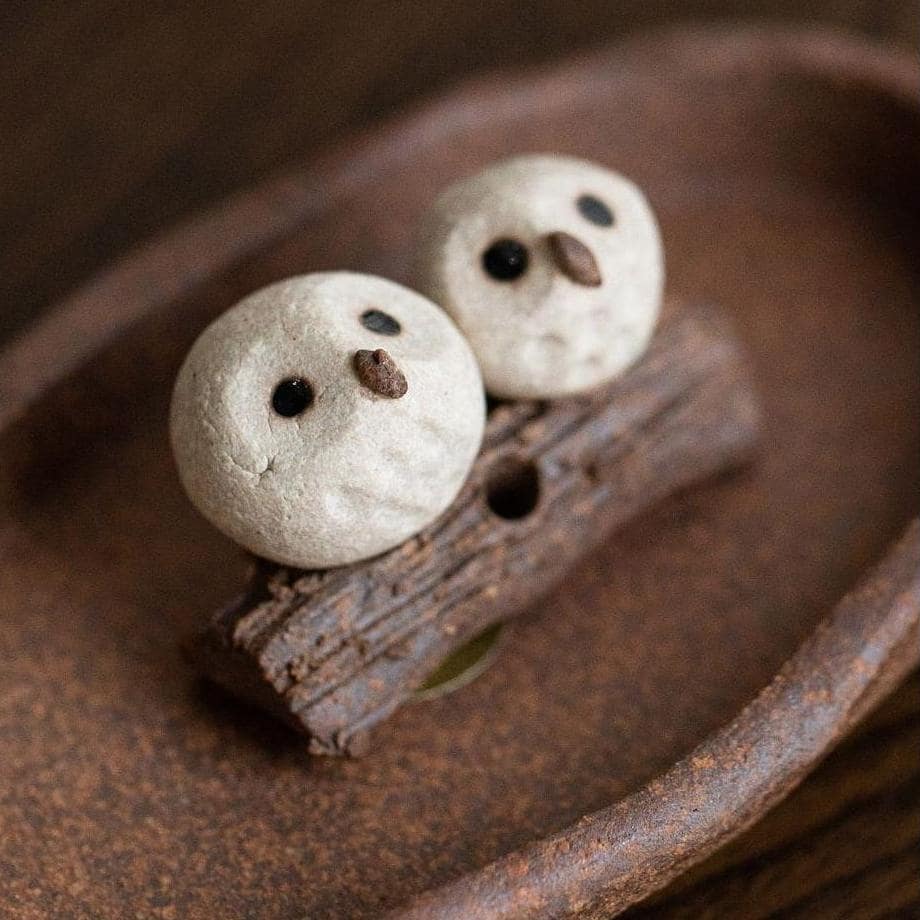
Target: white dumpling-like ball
(327,418)
(553,269)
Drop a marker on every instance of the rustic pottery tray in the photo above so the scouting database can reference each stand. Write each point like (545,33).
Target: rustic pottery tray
(683,679)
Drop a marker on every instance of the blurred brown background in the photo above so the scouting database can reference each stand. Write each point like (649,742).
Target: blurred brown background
(117,119)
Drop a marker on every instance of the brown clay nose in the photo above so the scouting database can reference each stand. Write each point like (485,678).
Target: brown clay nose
(378,372)
(574,259)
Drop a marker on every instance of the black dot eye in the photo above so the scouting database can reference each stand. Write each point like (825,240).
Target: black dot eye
(380,322)
(505,260)
(595,210)
(291,397)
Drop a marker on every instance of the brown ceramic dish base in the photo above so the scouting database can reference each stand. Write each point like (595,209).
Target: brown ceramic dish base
(783,168)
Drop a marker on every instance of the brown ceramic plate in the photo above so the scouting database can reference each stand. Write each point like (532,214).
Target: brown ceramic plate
(784,169)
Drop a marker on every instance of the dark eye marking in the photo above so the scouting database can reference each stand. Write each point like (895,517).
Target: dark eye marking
(380,322)
(595,210)
(505,260)
(291,397)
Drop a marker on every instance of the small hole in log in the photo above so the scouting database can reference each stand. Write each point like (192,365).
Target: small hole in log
(513,488)
(493,403)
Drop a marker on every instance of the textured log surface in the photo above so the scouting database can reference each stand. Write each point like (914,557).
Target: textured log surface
(335,652)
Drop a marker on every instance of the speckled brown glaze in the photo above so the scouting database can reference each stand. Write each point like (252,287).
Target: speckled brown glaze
(783,169)
(336,652)
(614,857)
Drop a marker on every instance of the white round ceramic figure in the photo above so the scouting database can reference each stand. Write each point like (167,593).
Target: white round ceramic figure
(327,418)
(553,269)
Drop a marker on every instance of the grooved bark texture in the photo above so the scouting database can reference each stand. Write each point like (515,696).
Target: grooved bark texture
(335,652)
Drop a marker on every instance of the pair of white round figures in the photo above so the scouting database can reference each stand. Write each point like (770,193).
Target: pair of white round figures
(328,418)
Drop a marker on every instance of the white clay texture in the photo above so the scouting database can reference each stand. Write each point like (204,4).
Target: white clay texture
(544,334)
(356,472)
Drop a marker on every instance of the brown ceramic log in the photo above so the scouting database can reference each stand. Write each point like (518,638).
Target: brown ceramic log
(335,652)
